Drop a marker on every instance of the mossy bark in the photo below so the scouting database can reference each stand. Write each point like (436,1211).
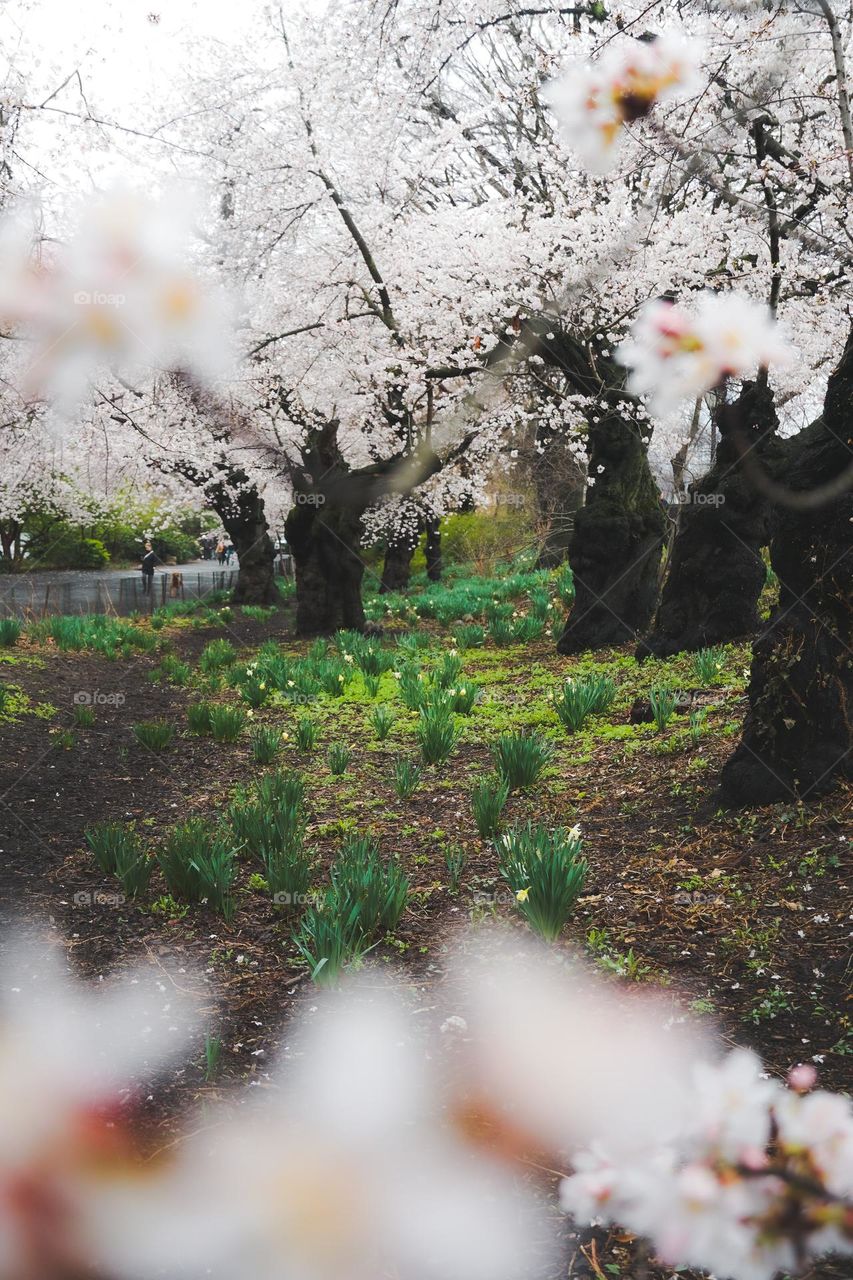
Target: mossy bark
(324,542)
(798,734)
(397,565)
(617,541)
(716,572)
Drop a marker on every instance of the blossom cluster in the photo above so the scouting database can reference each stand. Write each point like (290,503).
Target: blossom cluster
(381,1143)
(594,100)
(676,353)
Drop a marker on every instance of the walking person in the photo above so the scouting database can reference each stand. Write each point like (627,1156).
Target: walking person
(220,552)
(149,559)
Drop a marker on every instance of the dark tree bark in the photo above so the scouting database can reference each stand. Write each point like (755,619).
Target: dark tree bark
(324,541)
(617,541)
(397,567)
(434,563)
(798,733)
(716,571)
(241,509)
(559,485)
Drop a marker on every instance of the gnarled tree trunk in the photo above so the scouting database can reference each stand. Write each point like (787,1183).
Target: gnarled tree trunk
(559,484)
(240,507)
(434,563)
(617,541)
(798,733)
(397,566)
(716,573)
(324,541)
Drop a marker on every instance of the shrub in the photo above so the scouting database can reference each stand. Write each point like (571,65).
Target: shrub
(520,758)
(226,723)
(413,688)
(198,865)
(339,756)
(708,664)
(487,801)
(469,635)
(327,941)
(266,744)
(216,655)
(156,735)
(662,700)
(106,839)
(581,698)
(198,717)
(306,734)
(501,632)
(10,630)
(447,671)
(173,670)
(257,612)
(564,585)
(455,859)
(696,724)
(382,719)
(545,871)
(133,866)
(436,733)
(254,692)
(407,775)
(378,889)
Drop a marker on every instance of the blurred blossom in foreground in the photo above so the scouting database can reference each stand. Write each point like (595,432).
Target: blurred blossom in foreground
(71,1063)
(758,1181)
(594,100)
(121,295)
(676,353)
(347,1173)
(559,1058)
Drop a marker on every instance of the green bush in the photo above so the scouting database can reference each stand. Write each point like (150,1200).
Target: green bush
(382,720)
(198,717)
(487,801)
(155,735)
(306,734)
(663,700)
(106,840)
(198,865)
(266,744)
(407,775)
(216,655)
(339,756)
(581,698)
(520,758)
(10,630)
(226,723)
(708,664)
(436,733)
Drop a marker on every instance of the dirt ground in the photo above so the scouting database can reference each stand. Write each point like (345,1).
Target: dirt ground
(743,915)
